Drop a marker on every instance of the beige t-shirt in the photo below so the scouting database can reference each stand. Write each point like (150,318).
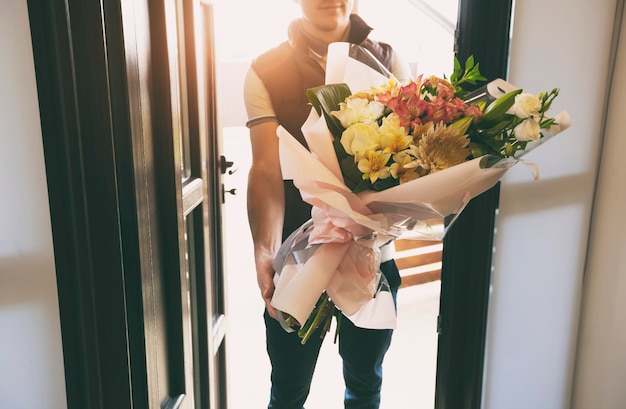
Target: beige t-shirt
(257,99)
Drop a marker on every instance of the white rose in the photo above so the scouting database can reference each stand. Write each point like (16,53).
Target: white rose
(356,110)
(360,138)
(529,130)
(526,105)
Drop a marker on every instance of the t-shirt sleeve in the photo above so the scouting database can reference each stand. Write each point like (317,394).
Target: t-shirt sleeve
(257,100)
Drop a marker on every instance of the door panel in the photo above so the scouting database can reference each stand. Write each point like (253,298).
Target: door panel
(184,300)
(195,149)
(128,122)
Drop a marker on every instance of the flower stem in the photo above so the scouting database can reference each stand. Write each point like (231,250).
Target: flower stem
(328,319)
(321,309)
(309,321)
(290,320)
(338,316)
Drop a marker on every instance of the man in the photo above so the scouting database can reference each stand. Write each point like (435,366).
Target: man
(275,94)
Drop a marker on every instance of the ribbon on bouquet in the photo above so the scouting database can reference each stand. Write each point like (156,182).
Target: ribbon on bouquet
(347,270)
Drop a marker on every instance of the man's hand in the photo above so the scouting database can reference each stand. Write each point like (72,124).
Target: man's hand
(265,279)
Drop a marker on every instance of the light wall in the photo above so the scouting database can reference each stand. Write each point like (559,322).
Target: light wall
(31,359)
(543,227)
(601,360)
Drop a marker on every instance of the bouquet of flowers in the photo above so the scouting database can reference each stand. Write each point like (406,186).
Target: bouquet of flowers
(391,160)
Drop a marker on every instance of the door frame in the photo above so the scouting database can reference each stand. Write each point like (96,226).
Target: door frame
(99,218)
(88,152)
(483,30)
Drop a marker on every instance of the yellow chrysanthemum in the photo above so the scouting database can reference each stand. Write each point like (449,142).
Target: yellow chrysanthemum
(440,148)
(374,165)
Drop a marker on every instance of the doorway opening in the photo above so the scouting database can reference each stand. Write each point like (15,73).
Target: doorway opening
(410,364)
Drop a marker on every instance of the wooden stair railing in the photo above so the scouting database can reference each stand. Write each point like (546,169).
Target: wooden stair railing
(419,261)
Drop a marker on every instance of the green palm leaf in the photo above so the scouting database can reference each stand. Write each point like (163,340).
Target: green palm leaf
(326,98)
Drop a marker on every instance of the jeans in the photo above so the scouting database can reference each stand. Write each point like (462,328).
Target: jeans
(362,351)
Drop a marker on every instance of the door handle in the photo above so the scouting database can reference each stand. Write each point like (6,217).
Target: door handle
(225,165)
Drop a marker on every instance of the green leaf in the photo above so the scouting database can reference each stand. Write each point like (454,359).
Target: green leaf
(469,64)
(505,122)
(362,186)
(489,161)
(521,145)
(478,149)
(482,144)
(382,184)
(547,123)
(352,176)
(462,124)
(497,108)
(326,98)
(470,74)
(457,71)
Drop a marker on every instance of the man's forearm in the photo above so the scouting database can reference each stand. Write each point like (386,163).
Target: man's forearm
(266,208)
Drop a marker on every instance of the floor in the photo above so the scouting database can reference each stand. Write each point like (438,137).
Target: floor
(409,367)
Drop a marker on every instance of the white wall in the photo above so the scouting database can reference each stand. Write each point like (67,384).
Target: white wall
(31,360)
(601,363)
(543,226)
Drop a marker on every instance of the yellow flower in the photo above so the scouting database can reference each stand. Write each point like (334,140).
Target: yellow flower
(374,165)
(404,167)
(391,85)
(393,137)
(440,148)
